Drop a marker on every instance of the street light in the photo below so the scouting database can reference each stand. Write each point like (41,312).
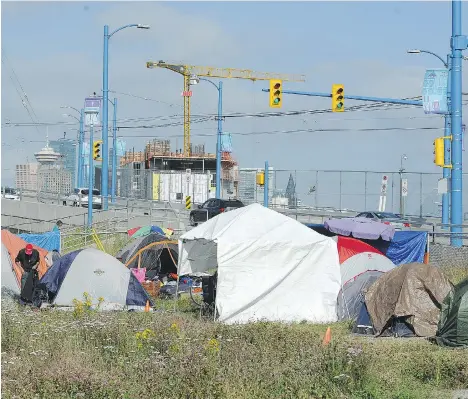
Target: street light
(219,87)
(105,109)
(447,161)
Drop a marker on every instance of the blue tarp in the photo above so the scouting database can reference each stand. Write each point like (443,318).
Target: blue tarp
(405,247)
(48,241)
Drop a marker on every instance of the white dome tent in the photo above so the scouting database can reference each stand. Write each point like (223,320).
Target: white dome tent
(270,267)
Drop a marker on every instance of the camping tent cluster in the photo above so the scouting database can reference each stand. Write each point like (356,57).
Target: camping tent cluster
(109,284)
(270,267)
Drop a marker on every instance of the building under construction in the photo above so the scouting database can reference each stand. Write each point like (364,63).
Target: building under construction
(158,156)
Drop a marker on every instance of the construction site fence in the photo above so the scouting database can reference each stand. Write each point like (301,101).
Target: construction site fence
(361,190)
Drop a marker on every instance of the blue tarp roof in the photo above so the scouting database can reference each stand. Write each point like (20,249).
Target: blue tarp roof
(405,247)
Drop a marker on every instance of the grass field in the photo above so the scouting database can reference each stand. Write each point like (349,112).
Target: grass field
(53,354)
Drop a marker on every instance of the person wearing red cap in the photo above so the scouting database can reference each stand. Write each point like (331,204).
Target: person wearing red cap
(28,257)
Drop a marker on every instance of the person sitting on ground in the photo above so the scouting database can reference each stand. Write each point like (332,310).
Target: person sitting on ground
(28,258)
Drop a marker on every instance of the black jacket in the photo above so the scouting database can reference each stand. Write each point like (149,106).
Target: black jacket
(27,261)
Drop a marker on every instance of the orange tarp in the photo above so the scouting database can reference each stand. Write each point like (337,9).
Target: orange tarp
(14,244)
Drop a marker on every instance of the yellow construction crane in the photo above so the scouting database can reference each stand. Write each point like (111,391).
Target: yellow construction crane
(191,72)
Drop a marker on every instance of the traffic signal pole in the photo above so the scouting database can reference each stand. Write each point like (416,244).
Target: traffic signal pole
(90,178)
(348,97)
(458,43)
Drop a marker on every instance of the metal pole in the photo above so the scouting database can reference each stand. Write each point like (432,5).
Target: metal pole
(458,43)
(90,178)
(218,141)
(265,186)
(420,195)
(105,133)
(359,98)
(447,160)
(114,153)
(365,190)
(79,182)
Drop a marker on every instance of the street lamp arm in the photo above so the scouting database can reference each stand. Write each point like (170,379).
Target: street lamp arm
(122,27)
(69,107)
(208,80)
(429,52)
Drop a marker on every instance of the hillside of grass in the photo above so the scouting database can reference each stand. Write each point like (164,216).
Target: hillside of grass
(81,354)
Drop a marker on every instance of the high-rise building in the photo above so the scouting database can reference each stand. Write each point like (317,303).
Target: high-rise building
(67,149)
(249,191)
(26,176)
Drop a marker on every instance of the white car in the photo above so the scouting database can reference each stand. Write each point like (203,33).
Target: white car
(79,197)
(10,194)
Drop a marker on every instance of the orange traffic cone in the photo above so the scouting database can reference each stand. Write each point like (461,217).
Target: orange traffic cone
(147,307)
(327,337)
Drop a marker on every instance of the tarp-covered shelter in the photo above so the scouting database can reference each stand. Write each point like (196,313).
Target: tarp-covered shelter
(270,267)
(405,246)
(453,323)
(361,228)
(10,283)
(412,294)
(360,265)
(14,244)
(98,274)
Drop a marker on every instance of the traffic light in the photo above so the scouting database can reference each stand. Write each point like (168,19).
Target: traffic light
(439,149)
(97,150)
(337,98)
(276,93)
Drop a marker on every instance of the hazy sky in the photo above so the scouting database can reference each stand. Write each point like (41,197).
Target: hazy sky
(55,50)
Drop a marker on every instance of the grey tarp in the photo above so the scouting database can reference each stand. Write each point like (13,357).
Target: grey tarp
(351,295)
(414,291)
(453,324)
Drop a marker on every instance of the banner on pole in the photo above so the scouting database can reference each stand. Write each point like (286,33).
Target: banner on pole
(120,147)
(434,94)
(226,142)
(92,110)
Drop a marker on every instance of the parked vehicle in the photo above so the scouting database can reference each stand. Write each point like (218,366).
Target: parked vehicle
(10,194)
(386,217)
(212,208)
(79,197)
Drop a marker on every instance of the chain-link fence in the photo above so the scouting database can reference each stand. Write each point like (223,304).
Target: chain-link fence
(361,190)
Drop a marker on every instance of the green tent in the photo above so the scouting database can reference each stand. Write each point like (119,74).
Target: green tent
(453,323)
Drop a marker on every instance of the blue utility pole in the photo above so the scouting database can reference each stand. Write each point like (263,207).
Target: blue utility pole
(447,158)
(105,109)
(80,165)
(265,185)
(105,136)
(457,43)
(447,143)
(114,153)
(218,87)
(360,98)
(90,177)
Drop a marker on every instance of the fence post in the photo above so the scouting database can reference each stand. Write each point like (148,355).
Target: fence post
(316,188)
(365,190)
(420,195)
(341,204)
